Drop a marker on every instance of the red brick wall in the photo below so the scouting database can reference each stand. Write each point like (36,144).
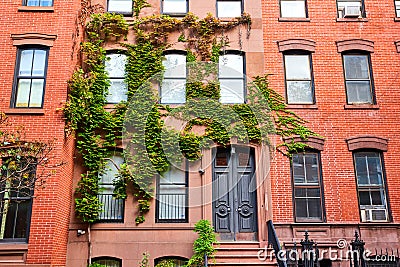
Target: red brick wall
(50,215)
(331,119)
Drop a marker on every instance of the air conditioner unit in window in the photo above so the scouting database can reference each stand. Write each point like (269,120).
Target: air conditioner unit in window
(374,215)
(351,11)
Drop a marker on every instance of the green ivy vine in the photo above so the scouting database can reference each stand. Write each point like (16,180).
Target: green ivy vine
(98,130)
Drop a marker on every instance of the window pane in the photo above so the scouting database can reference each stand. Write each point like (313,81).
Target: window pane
(39,62)
(23,91)
(377,197)
(108,262)
(120,6)
(36,93)
(25,66)
(364,198)
(175,66)
(173,91)
(230,66)
(314,192)
(361,167)
(299,92)
(298,168)
(221,159)
(229,9)
(374,168)
(356,66)
(301,208)
(232,91)
(117,91)
(32,3)
(297,67)
(111,169)
(16,220)
(115,65)
(397,8)
(293,9)
(174,6)
(300,192)
(311,168)
(314,208)
(46,2)
(358,92)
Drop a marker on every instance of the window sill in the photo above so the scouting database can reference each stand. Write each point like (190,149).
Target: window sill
(302,106)
(361,106)
(36,8)
(10,245)
(294,19)
(24,111)
(397,19)
(351,20)
(175,15)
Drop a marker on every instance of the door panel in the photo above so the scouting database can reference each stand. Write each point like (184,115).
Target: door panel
(234,196)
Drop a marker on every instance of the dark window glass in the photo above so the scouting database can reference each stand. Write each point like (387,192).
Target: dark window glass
(108,262)
(37,2)
(172,196)
(307,187)
(16,198)
(30,78)
(357,72)
(229,8)
(293,9)
(350,8)
(370,184)
(112,208)
(174,7)
(171,261)
(231,73)
(120,6)
(173,87)
(115,68)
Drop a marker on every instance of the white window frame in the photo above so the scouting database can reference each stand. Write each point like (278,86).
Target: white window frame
(283,10)
(228,74)
(222,8)
(126,10)
(116,96)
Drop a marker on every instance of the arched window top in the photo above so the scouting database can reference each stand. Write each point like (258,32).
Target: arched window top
(108,261)
(313,142)
(355,44)
(170,261)
(367,142)
(296,44)
(33,39)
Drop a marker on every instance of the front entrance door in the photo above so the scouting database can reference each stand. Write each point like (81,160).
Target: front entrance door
(234,193)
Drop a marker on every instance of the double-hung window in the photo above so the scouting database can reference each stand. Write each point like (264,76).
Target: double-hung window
(30,77)
(350,8)
(371,186)
(112,208)
(307,187)
(173,87)
(37,2)
(16,186)
(229,8)
(175,7)
(172,196)
(293,9)
(231,76)
(397,7)
(115,68)
(120,6)
(358,78)
(299,80)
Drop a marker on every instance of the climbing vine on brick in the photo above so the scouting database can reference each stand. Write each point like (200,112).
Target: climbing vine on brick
(98,130)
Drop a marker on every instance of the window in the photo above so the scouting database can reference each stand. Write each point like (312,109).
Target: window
(299,82)
(357,72)
(231,77)
(16,198)
(293,9)
(172,196)
(170,261)
(37,2)
(350,8)
(397,6)
(30,77)
(371,187)
(108,261)
(113,209)
(115,68)
(120,6)
(229,9)
(173,87)
(307,187)
(175,7)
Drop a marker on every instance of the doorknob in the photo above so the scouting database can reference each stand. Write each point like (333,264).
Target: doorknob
(239,209)
(229,209)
